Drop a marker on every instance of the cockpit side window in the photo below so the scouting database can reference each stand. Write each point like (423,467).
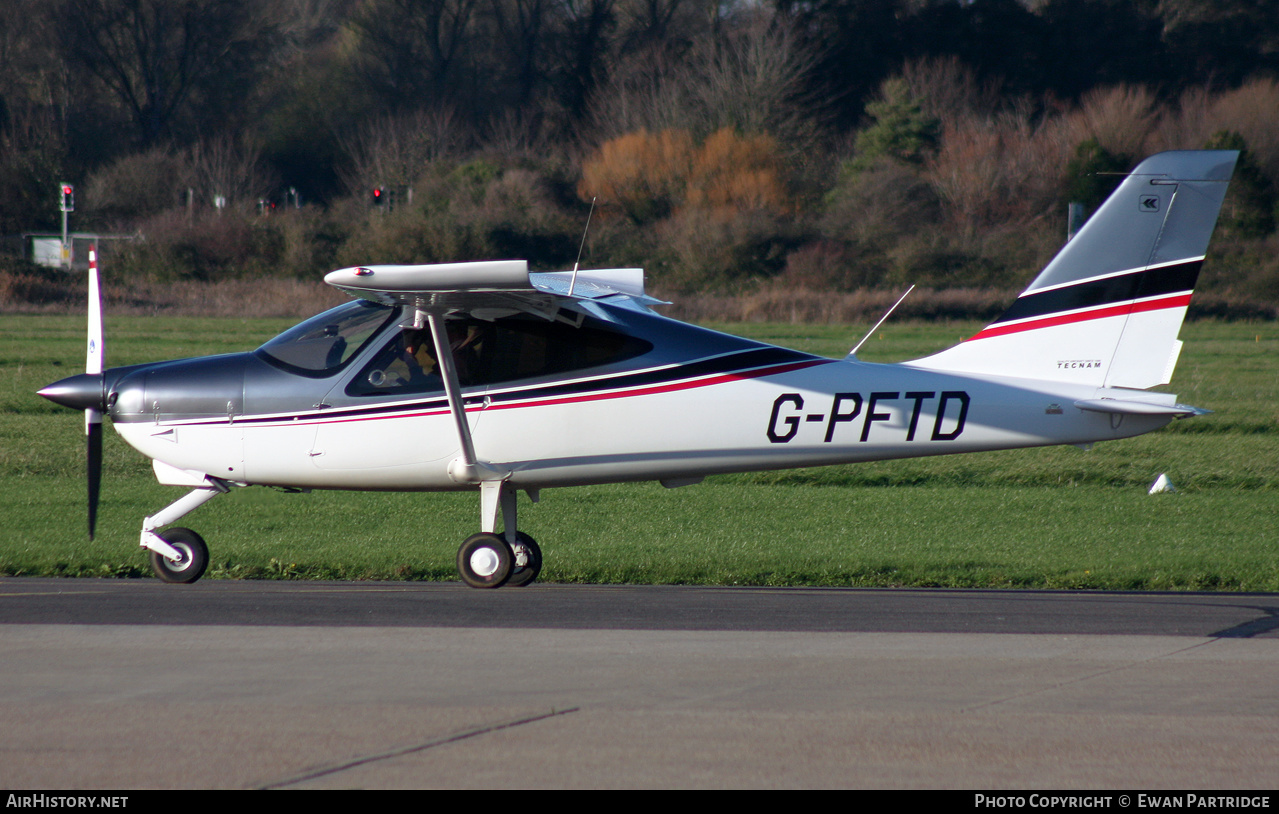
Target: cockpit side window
(325,343)
(527,347)
(508,349)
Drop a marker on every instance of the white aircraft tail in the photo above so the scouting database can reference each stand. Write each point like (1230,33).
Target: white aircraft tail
(1107,310)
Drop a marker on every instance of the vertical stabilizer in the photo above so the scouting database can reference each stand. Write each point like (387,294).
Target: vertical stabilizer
(1106,311)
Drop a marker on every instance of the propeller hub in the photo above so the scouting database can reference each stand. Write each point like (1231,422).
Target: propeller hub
(84,391)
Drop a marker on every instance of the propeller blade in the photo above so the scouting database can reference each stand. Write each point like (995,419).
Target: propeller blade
(93,366)
(93,434)
(96,348)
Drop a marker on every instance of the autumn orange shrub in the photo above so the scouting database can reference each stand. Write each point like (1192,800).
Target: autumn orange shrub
(643,173)
(650,176)
(733,174)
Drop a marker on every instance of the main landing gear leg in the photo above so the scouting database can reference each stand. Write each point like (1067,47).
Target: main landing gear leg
(178,554)
(490,560)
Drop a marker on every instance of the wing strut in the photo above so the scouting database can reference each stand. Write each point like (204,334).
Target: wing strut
(467,469)
(495,493)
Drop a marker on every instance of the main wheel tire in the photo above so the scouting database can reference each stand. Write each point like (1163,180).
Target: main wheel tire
(195,557)
(485,561)
(527,550)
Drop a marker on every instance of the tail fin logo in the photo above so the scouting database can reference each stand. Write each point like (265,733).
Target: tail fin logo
(1076,364)
(1149,203)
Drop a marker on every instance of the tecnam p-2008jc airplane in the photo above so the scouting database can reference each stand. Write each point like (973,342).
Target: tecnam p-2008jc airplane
(485,376)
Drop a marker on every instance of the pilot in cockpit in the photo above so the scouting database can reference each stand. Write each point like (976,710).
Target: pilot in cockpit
(407,361)
(410,360)
(418,356)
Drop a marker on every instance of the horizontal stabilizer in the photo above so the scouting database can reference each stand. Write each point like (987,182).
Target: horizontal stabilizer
(1124,407)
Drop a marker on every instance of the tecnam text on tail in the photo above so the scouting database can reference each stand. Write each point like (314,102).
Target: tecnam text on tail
(488,377)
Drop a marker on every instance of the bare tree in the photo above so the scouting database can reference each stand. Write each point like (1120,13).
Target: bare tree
(519,31)
(950,89)
(749,79)
(394,151)
(645,24)
(32,76)
(516,133)
(154,55)
(304,24)
(583,41)
(229,168)
(413,50)
(753,80)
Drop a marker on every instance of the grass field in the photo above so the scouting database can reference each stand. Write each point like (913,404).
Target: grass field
(1059,517)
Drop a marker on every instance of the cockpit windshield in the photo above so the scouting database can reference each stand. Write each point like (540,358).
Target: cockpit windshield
(326,342)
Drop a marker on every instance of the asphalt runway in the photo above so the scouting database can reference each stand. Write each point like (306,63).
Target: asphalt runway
(133,684)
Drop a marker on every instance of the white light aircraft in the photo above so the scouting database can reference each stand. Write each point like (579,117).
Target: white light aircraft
(487,377)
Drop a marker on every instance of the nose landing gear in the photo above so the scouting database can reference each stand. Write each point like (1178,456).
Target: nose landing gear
(193,556)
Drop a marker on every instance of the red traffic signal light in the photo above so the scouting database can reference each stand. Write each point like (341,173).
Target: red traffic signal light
(379,195)
(68,198)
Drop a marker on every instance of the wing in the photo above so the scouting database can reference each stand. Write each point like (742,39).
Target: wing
(490,287)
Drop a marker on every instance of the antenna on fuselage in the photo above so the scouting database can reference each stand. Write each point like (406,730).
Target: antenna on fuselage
(573,280)
(886,315)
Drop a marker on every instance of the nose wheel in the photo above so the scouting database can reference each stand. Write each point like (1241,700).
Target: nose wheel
(192,560)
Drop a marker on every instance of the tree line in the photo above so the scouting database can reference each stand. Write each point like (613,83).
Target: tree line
(815,143)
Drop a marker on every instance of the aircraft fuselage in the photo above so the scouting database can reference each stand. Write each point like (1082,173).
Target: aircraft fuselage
(695,403)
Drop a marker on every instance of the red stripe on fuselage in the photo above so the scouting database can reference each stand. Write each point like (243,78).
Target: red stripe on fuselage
(666,388)
(1174,301)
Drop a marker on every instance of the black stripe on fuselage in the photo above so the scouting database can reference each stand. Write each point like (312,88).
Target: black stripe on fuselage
(1132,285)
(732,363)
